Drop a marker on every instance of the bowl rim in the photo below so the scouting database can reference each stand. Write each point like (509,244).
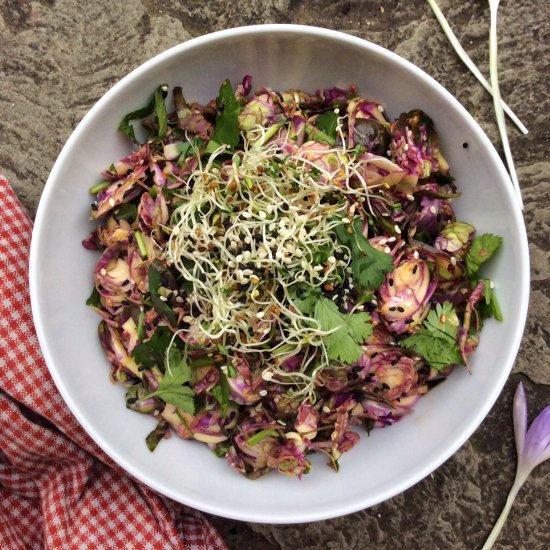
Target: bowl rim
(40,321)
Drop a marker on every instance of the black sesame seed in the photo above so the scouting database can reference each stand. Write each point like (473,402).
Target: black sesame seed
(393,308)
(401,309)
(390,282)
(385,386)
(415,269)
(131,400)
(409,321)
(376,390)
(465,145)
(357,369)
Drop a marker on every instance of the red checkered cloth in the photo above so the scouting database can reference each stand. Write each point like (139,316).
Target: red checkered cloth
(57,488)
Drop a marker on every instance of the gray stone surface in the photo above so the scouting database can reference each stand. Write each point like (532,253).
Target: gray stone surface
(58,57)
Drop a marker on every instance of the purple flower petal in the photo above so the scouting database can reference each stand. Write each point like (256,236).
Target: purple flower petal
(537,439)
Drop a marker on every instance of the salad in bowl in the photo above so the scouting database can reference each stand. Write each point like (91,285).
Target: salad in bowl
(282,271)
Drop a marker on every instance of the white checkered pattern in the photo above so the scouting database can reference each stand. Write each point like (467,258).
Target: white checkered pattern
(57,489)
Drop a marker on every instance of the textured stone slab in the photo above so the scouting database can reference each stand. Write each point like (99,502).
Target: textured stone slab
(59,56)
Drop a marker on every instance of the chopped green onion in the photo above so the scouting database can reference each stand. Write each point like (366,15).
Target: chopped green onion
(261,435)
(141,244)
(94,190)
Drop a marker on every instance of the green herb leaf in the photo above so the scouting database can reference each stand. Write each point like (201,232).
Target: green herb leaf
(353,329)
(174,359)
(126,128)
(160,111)
(226,128)
(369,265)
(437,342)
(327,123)
(151,353)
(127,211)
(306,302)
(161,307)
(489,306)
(483,247)
(221,393)
(154,438)
(171,388)
(94,298)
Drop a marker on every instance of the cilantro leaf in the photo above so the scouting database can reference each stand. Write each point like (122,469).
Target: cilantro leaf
(483,247)
(306,302)
(437,341)
(171,389)
(442,320)
(161,307)
(226,128)
(353,329)
(151,353)
(175,359)
(369,265)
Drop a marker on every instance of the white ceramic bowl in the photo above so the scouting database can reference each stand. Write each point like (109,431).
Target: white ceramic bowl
(390,460)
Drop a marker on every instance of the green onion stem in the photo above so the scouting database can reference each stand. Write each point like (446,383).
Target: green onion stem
(140,327)
(141,244)
(95,189)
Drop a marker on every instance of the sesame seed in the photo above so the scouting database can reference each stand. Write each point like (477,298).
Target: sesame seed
(267,375)
(163,298)
(382,242)
(453,260)
(260,314)
(387,249)
(326,409)
(410,197)
(416,255)
(433,209)
(345,220)
(263,393)
(103,272)
(262,215)
(179,300)
(397,230)
(112,202)
(392,239)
